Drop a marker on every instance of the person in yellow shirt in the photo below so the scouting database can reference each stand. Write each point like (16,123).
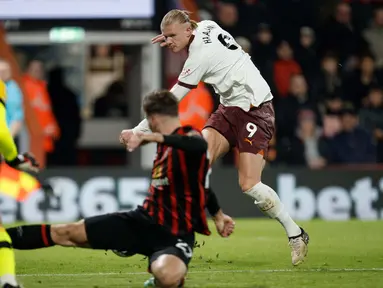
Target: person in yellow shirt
(24,162)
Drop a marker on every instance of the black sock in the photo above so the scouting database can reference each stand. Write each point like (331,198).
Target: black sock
(31,237)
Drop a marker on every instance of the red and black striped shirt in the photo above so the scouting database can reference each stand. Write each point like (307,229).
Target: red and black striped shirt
(177,197)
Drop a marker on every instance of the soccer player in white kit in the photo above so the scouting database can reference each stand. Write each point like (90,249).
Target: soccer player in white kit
(244,119)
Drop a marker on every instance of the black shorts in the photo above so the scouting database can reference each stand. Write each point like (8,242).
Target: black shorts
(135,233)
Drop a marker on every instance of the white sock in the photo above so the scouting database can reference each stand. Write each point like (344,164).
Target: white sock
(269,203)
(9,279)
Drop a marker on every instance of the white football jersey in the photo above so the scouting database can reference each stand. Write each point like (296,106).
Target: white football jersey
(215,58)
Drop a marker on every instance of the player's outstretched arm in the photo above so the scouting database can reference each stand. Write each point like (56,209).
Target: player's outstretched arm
(189,143)
(224,223)
(128,137)
(192,142)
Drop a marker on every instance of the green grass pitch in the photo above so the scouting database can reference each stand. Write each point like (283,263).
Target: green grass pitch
(341,254)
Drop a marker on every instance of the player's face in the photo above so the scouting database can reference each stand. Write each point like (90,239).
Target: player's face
(177,36)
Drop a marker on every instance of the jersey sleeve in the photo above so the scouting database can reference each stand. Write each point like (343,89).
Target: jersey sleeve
(194,69)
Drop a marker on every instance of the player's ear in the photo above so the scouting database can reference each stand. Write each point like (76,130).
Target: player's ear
(189,30)
(154,120)
(151,122)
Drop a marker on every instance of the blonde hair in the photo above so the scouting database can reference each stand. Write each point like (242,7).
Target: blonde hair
(180,16)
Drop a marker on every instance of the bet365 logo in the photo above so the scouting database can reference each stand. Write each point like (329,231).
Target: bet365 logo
(331,202)
(71,201)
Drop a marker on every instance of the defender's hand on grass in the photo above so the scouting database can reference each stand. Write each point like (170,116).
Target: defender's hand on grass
(224,224)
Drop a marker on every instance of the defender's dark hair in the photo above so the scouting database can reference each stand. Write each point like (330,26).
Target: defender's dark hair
(161,102)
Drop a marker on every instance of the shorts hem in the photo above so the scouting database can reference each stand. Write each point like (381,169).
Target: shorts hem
(261,151)
(220,132)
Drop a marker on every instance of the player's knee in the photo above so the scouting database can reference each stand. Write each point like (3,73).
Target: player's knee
(167,277)
(72,234)
(250,170)
(247,183)
(168,271)
(61,234)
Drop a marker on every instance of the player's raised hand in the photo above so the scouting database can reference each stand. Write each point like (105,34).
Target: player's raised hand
(25,162)
(160,39)
(130,140)
(125,136)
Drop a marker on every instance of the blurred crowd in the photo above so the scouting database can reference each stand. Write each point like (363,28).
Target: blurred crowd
(325,71)
(55,105)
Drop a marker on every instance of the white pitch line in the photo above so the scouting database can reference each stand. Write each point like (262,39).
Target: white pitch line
(212,271)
